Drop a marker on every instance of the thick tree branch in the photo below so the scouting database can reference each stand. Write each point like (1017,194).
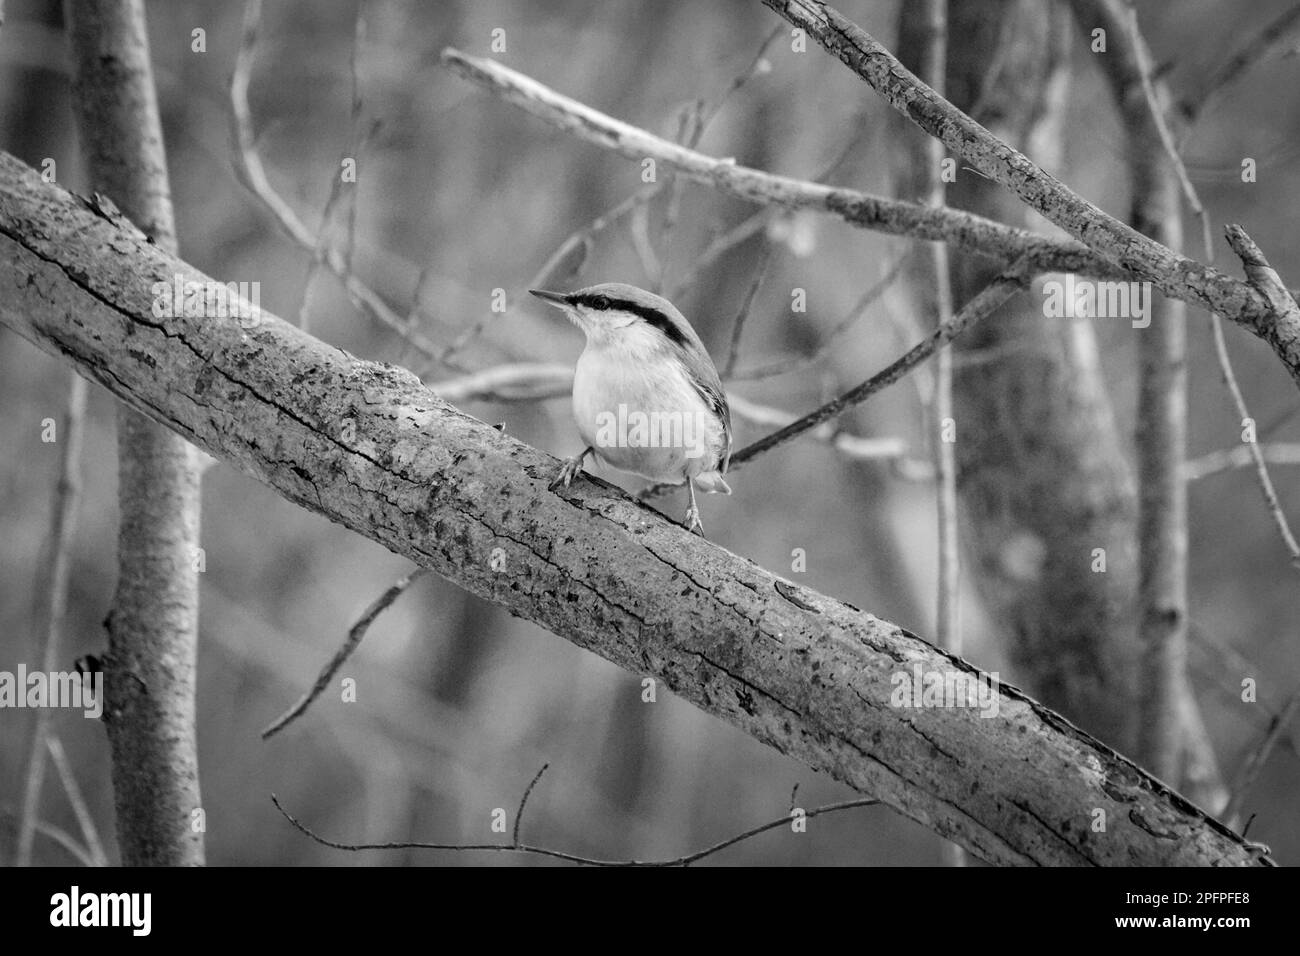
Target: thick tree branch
(369,447)
(153,627)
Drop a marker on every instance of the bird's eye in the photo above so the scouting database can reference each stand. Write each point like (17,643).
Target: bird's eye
(600,302)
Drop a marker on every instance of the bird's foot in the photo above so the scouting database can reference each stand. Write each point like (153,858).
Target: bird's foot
(568,471)
(692,521)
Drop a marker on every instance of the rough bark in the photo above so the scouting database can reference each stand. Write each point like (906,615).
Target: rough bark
(369,447)
(153,626)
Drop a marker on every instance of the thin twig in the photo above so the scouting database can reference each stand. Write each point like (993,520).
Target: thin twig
(352,150)
(523,802)
(984,303)
(827,346)
(1229,660)
(696,123)
(566,261)
(850,446)
(639,233)
(686,860)
(1257,458)
(55,572)
(252,174)
(1249,54)
(729,239)
(510,382)
(718,247)
(62,837)
(1255,762)
(1240,456)
(689,130)
(78,802)
(356,140)
(355,634)
(1264,278)
(738,326)
(756,68)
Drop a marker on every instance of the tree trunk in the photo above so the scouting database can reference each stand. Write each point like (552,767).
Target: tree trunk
(153,625)
(1042,474)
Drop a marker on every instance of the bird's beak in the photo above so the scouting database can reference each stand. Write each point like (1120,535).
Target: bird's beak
(555,298)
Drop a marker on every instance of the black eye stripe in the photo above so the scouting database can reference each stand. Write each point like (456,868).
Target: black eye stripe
(651,315)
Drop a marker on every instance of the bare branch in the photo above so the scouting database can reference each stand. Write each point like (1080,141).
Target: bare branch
(1263,277)
(563,263)
(1250,53)
(54,574)
(738,326)
(827,346)
(969,232)
(987,301)
(352,150)
(699,120)
(1255,762)
(60,836)
(523,802)
(89,832)
(511,382)
(526,849)
(353,640)
(717,248)
(250,171)
(1240,456)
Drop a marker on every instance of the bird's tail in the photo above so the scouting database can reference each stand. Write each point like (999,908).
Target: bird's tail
(713,483)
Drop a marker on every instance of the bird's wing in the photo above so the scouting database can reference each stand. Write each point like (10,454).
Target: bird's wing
(704,376)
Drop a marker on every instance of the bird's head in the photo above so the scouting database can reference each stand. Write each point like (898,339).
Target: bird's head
(610,310)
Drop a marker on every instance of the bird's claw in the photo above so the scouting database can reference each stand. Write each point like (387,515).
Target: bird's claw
(693,522)
(568,471)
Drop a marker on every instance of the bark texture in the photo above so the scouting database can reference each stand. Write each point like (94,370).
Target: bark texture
(153,626)
(369,447)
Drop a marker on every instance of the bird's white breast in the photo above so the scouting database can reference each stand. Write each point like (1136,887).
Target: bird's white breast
(642,376)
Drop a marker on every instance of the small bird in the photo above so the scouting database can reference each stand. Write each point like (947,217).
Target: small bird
(646,396)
